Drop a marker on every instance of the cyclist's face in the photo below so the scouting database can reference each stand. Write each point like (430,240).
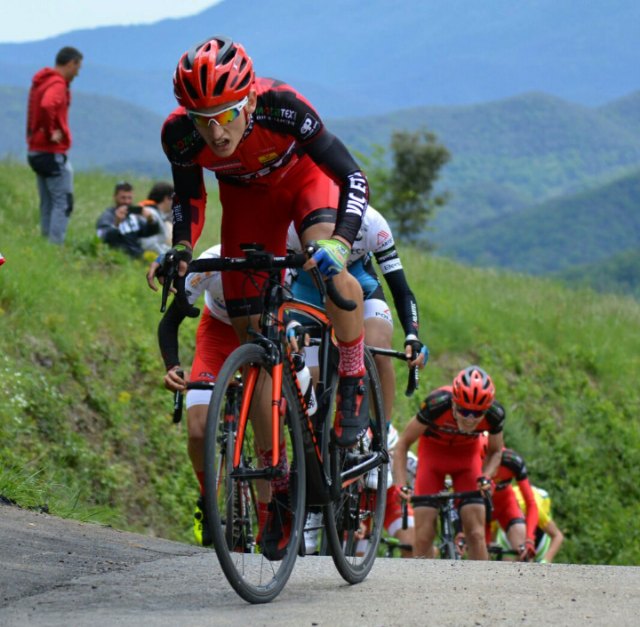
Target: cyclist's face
(468,423)
(223,140)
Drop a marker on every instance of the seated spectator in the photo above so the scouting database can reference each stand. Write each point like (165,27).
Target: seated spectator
(124,225)
(160,201)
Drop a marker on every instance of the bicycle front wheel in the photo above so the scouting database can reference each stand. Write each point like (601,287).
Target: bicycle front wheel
(255,511)
(354,521)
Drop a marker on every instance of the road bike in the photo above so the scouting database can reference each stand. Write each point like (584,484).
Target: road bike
(304,467)
(446,502)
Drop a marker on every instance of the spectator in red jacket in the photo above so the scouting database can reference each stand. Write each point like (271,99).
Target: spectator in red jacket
(49,139)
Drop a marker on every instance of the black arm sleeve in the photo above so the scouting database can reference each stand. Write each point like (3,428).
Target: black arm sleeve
(333,157)
(168,334)
(188,202)
(404,300)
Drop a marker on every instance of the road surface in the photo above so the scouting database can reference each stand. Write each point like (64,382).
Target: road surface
(60,573)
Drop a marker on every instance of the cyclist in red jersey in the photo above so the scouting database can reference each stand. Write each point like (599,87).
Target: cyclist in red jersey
(520,530)
(449,425)
(275,163)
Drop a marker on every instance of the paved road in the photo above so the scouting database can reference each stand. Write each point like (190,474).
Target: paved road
(57,572)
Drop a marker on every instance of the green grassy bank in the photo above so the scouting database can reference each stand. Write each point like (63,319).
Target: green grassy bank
(85,423)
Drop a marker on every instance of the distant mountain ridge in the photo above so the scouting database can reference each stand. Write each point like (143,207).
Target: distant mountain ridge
(355,58)
(589,228)
(514,152)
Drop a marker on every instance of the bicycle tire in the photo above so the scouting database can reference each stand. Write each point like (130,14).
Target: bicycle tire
(360,508)
(254,577)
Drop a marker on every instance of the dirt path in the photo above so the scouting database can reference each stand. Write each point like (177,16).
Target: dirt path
(60,572)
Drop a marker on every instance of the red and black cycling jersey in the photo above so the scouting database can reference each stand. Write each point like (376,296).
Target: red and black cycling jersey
(436,415)
(283,135)
(512,466)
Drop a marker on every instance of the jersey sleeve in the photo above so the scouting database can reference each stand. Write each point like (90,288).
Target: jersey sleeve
(300,119)
(515,463)
(182,143)
(531,507)
(384,249)
(495,417)
(436,404)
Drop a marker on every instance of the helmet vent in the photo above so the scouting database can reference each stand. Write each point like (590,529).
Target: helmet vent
(220,84)
(245,81)
(226,54)
(190,89)
(203,78)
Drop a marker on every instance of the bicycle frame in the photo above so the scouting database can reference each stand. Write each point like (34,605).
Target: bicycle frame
(304,466)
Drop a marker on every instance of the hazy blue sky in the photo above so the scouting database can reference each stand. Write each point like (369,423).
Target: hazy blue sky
(27,20)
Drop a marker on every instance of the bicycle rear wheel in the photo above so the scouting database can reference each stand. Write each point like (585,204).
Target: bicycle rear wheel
(234,493)
(354,521)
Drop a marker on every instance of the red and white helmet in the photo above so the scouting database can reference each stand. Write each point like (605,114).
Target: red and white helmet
(212,73)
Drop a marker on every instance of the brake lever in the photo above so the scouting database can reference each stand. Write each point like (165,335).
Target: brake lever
(169,276)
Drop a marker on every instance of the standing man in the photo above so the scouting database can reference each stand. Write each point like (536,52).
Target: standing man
(49,139)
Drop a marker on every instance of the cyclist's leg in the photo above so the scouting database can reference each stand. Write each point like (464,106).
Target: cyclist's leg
(393,519)
(252,216)
(214,343)
(516,533)
(466,468)
(512,519)
(425,531)
(321,195)
(260,216)
(378,331)
(429,479)
(509,517)
(473,517)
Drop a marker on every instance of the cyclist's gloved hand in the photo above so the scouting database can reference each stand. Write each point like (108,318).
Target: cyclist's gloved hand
(174,256)
(331,256)
(484,484)
(527,551)
(419,355)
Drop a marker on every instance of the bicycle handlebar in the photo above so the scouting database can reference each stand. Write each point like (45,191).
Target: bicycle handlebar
(412,379)
(178,396)
(443,497)
(254,260)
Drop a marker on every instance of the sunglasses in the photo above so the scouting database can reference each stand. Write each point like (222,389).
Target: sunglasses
(470,413)
(220,118)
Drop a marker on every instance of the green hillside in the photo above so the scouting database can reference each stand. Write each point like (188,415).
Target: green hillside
(619,273)
(85,424)
(574,230)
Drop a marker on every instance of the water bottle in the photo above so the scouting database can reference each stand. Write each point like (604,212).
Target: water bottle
(306,384)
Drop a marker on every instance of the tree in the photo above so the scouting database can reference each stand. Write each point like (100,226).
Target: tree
(404,193)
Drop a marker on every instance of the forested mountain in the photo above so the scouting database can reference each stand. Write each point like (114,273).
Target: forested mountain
(586,228)
(513,153)
(354,58)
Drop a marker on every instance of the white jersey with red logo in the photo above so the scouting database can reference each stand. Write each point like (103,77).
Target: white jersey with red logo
(211,284)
